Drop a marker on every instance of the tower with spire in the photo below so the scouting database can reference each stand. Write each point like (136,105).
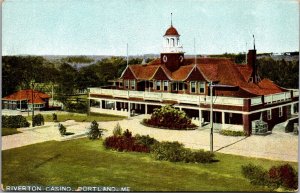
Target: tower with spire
(172,54)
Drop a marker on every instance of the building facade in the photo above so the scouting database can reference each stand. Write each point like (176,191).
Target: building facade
(24,100)
(238,95)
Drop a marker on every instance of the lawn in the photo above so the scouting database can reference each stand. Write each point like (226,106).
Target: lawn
(80,117)
(9,131)
(83,162)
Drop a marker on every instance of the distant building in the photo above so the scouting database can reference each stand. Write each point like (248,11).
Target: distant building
(24,99)
(239,95)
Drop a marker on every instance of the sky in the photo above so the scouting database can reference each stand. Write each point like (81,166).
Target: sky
(104,27)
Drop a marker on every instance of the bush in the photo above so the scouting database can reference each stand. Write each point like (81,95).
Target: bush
(283,175)
(145,140)
(232,133)
(54,117)
(169,117)
(127,134)
(94,131)
(168,151)
(117,130)
(199,156)
(124,143)
(37,120)
(256,174)
(15,121)
(78,107)
(62,129)
(175,152)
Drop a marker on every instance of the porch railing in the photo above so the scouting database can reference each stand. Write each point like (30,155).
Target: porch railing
(192,99)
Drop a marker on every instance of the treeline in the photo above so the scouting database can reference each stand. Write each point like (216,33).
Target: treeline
(24,72)
(283,73)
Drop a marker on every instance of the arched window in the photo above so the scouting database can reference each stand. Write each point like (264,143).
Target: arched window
(168,41)
(172,42)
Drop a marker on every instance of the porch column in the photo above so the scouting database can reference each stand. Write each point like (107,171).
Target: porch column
(115,106)
(200,118)
(100,104)
(146,109)
(129,105)
(292,109)
(223,119)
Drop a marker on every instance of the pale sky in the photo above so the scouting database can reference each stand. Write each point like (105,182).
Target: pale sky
(103,27)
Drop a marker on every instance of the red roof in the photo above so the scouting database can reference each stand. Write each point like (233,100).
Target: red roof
(171,31)
(38,97)
(221,70)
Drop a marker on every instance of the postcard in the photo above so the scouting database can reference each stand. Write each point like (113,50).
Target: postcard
(135,95)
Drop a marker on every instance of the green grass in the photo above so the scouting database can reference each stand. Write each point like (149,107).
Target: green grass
(9,131)
(80,117)
(83,162)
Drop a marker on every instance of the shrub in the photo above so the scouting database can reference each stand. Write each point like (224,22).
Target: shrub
(175,152)
(123,143)
(256,174)
(62,129)
(117,130)
(38,120)
(14,121)
(94,131)
(283,175)
(199,156)
(127,133)
(169,117)
(54,117)
(145,140)
(232,133)
(78,107)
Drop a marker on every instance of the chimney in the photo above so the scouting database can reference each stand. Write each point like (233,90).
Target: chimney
(251,62)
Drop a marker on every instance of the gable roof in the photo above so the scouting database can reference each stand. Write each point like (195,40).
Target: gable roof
(38,97)
(222,70)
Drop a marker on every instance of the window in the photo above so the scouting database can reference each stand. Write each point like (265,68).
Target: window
(121,84)
(173,42)
(166,85)
(269,114)
(180,86)
(158,85)
(193,87)
(174,86)
(132,84)
(201,87)
(126,82)
(280,111)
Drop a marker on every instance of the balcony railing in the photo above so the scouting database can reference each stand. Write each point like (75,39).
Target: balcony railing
(273,98)
(193,99)
(160,96)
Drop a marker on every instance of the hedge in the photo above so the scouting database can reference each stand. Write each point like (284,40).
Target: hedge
(14,121)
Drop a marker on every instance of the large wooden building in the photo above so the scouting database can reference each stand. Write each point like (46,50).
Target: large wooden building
(239,95)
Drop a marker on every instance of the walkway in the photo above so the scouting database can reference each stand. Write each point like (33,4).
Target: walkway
(277,146)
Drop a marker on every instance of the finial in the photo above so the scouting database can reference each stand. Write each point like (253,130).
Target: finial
(254,41)
(171,19)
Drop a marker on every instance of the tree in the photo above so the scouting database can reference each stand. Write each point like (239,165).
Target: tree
(94,131)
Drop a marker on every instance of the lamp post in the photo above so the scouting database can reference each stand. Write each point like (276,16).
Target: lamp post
(211,118)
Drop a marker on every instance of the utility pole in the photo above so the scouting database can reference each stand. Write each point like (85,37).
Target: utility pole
(32,102)
(211,118)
